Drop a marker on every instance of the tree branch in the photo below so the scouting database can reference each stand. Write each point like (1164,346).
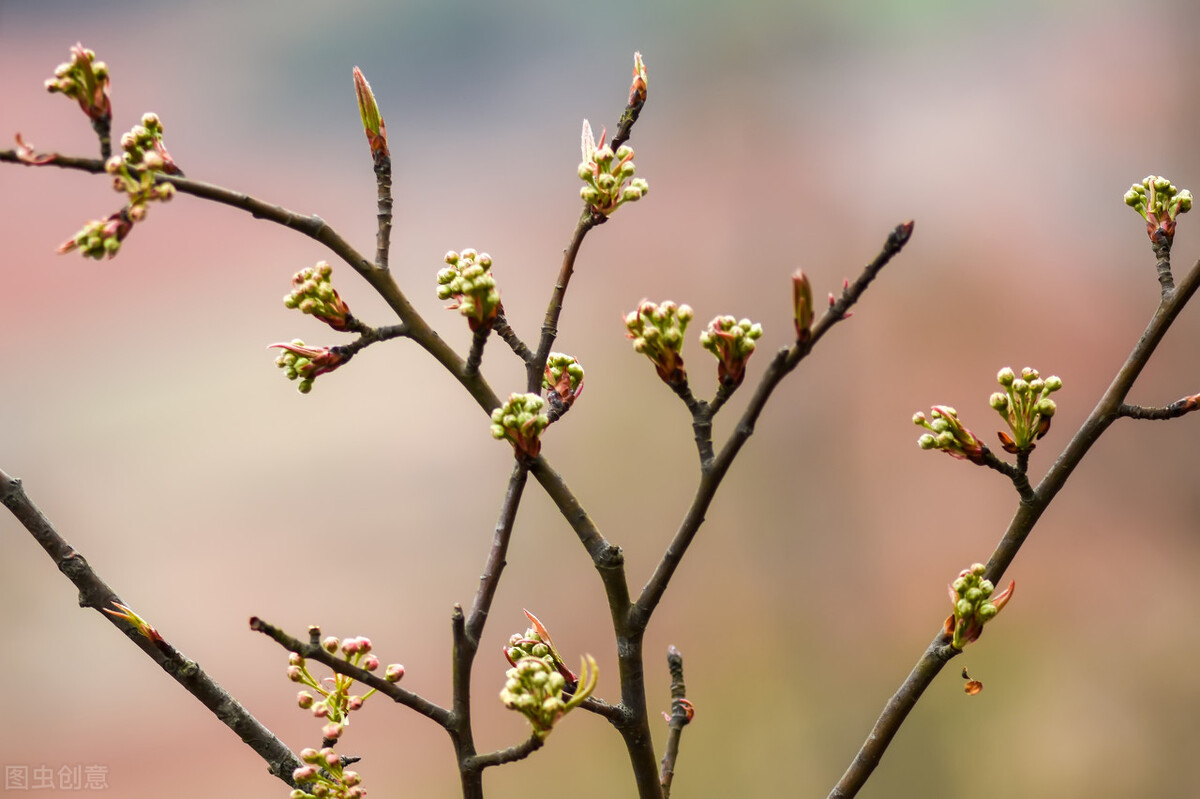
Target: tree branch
(681,716)
(1107,410)
(96,594)
(781,365)
(312,650)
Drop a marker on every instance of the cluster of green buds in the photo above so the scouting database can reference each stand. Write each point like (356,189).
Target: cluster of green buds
(306,364)
(657,332)
(1026,407)
(949,435)
(1159,203)
(535,684)
(732,342)
(85,80)
(467,281)
(974,605)
(313,293)
(521,421)
(143,157)
(101,238)
(325,776)
(802,305)
(563,378)
(608,176)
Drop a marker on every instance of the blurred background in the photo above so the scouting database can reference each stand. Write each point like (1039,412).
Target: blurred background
(143,411)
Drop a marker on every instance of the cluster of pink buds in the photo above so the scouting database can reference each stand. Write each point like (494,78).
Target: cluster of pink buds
(732,342)
(535,684)
(563,378)
(101,238)
(468,283)
(608,176)
(336,701)
(520,420)
(306,364)
(947,433)
(1159,203)
(313,293)
(142,151)
(657,332)
(974,605)
(1026,407)
(144,156)
(323,776)
(85,80)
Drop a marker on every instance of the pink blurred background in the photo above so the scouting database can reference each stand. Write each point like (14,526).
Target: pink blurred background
(145,416)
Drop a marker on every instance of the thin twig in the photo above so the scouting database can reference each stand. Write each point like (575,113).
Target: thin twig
(504,331)
(502,756)
(475,356)
(312,650)
(681,716)
(1020,479)
(588,219)
(490,578)
(1176,409)
(1107,410)
(781,365)
(1161,245)
(96,594)
(383,185)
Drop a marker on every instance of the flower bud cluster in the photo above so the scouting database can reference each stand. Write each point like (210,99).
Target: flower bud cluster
(85,80)
(948,434)
(468,283)
(1159,203)
(135,169)
(534,688)
(563,377)
(732,342)
(335,704)
(305,364)
(1026,407)
(521,421)
(657,332)
(608,176)
(101,238)
(324,777)
(974,605)
(313,293)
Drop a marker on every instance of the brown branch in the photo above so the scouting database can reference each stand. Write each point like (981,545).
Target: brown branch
(1107,410)
(681,716)
(499,758)
(96,594)
(490,578)
(475,356)
(1179,407)
(504,331)
(587,220)
(383,186)
(312,650)
(711,475)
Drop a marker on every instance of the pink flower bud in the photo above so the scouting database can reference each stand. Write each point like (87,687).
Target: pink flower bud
(331,732)
(394,672)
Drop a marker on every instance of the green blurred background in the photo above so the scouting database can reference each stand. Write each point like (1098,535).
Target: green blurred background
(141,407)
